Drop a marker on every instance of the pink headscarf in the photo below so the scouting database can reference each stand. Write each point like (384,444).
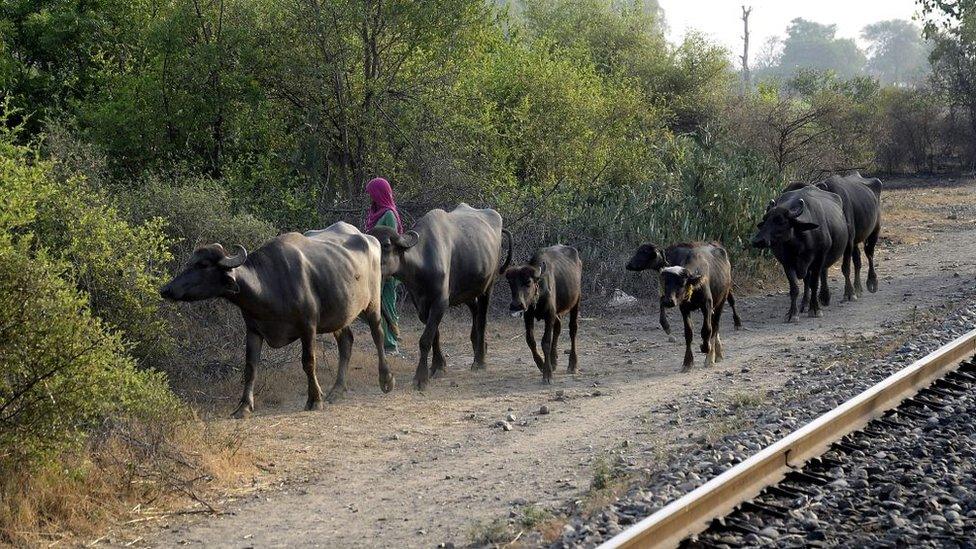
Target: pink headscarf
(381,194)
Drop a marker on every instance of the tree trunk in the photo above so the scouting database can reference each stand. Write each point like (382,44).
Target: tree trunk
(746,77)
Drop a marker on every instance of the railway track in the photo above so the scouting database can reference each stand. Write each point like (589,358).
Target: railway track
(768,486)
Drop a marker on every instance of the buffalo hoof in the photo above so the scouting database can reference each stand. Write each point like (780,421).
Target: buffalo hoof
(791,317)
(312,405)
(704,347)
(573,368)
(420,384)
(388,384)
(872,285)
(436,373)
(686,367)
(672,339)
(547,380)
(816,313)
(242,411)
(709,361)
(478,366)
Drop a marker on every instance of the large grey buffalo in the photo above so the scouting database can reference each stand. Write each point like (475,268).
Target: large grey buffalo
(808,231)
(294,287)
(694,277)
(548,286)
(862,199)
(446,259)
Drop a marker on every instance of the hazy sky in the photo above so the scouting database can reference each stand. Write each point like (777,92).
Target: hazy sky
(721,19)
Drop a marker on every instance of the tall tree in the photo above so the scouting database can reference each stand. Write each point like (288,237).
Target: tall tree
(811,45)
(951,24)
(897,52)
(746,77)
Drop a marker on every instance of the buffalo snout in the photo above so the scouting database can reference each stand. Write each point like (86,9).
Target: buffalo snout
(516,309)
(760,241)
(167,292)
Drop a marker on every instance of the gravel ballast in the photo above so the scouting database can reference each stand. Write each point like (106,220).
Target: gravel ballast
(818,386)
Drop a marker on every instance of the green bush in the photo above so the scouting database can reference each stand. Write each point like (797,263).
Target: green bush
(64,371)
(195,211)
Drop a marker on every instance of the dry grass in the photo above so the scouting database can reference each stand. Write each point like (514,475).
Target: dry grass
(127,475)
(911,216)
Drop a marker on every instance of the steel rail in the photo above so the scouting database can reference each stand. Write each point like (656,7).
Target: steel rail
(693,512)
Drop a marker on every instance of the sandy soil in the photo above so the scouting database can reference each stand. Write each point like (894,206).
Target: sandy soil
(413,469)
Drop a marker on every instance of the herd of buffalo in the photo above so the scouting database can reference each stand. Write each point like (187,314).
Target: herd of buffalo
(299,285)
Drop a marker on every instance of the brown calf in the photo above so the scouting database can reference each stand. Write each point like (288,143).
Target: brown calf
(545,288)
(697,278)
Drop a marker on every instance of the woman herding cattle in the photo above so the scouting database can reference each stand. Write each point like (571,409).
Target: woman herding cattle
(383,212)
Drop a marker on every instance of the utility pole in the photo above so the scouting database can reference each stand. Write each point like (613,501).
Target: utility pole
(746,79)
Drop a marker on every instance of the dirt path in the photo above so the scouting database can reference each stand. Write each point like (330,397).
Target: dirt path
(416,470)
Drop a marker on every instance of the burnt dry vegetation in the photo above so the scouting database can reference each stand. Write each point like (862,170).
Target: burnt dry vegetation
(129,136)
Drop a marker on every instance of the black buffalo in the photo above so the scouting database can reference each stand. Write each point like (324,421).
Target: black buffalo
(649,257)
(808,231)
(291,288)
(545,288)
(694,276)
(448,258)
(862,199)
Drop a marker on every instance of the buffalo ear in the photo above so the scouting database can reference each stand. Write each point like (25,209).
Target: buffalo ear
(772,203)
(540,270)
(408,239)
(800,217)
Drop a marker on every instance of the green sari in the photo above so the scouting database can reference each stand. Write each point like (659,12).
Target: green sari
(388,299)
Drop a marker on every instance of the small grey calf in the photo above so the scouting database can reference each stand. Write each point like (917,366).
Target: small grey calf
(546,288)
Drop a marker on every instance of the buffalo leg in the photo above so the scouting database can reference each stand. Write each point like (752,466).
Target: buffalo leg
(869,244)
(735,314)
(433,320)
(813,281)
(547,350)
(573,329)
(706,333)
(689,334)
(252,355)
(794,293)
(344,341)
(475,344)
(481,348)
(663,317)
(845,268)
(314,401)
(557,328)
(825,289)
(438,364)
(716,326)
(387,381)
(856,259)
(529,318)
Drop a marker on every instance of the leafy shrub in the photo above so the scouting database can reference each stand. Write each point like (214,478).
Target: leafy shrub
(64,372)
(83,428)
(195,211)
(63,368)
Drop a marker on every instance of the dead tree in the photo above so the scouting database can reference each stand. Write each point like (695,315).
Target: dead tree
(746,79)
